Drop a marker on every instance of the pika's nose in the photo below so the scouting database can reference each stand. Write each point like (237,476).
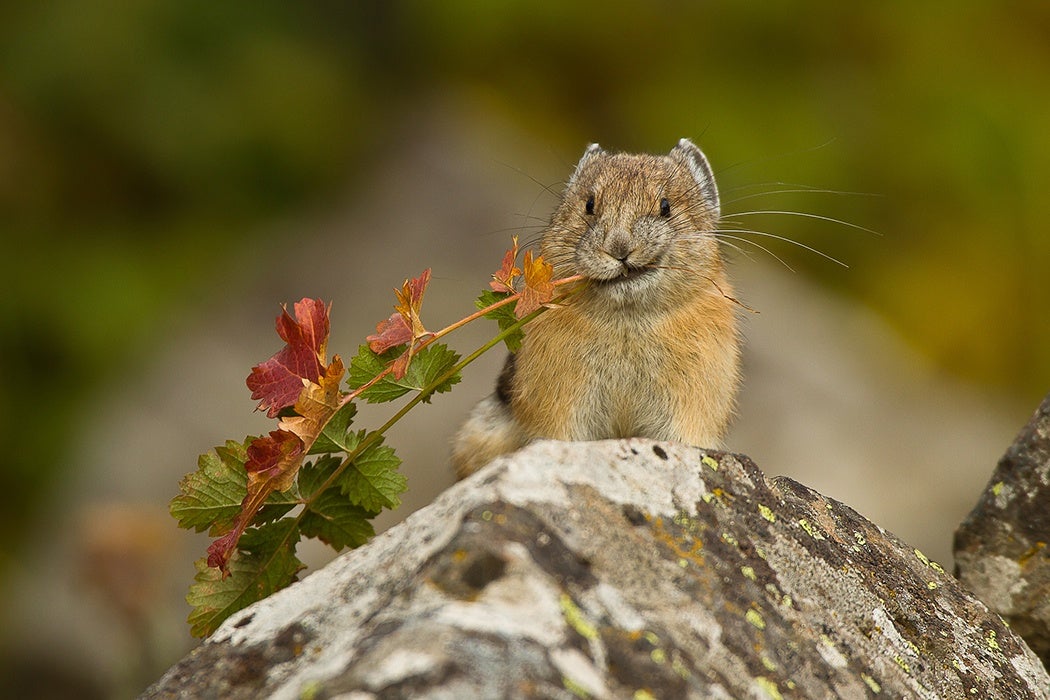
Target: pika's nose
(618,245)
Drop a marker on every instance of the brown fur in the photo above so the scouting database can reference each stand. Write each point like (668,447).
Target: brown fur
(650,347)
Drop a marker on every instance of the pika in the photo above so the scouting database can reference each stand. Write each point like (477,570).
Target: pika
(649,347)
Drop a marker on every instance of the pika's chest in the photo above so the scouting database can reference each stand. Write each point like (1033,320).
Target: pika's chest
(584,381)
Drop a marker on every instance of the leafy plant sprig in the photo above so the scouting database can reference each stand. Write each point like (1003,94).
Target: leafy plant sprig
(260,497)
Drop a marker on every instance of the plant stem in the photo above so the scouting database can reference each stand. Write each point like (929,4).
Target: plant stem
(375,435)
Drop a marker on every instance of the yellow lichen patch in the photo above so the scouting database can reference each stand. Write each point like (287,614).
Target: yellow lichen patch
(997,488)
(755,618)
(748,572)
(574,687)
(769,663)
(1032,551)
(860,539)
(992,642)
(659,656)
(710,461)
(643,694)
(899,660)
(770,687)
(310,690)
(871,683)
(729,539)
(678,667)
(575,618)
(810,530)
(932,585)
(766,513)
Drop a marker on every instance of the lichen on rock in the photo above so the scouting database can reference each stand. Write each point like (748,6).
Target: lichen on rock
(619,569)
(1000,549)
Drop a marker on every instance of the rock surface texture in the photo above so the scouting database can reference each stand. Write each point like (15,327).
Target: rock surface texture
(1000,549)
(620,569)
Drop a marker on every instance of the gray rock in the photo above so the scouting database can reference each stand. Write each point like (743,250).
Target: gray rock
(619,569)
(1000,549)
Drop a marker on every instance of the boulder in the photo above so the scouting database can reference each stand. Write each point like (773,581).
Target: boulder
(619,569)
(1000,549)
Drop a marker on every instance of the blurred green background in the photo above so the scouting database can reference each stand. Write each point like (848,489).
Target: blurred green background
(146,148)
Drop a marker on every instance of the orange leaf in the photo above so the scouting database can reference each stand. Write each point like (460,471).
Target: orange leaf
(410,302)
(539,289)
(503,278)
(317,403)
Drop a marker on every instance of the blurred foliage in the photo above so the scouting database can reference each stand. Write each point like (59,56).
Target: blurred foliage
(143,143)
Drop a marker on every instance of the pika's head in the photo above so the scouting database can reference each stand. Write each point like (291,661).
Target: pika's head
(632,224)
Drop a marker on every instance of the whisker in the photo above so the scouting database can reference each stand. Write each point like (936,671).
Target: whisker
(805,215)
(786,240)
(723,237)
(801,190)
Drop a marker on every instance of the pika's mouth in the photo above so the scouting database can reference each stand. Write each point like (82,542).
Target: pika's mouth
(627,275)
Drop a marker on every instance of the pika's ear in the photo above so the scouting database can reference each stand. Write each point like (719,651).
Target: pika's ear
(687,152)
(592,151)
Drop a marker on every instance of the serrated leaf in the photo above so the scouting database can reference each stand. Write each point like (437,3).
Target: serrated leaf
(538,289)
(337,522)
(313,474)
(276,383)
(504,316)
(427,365)
(503,279)
(390,333)
(334,436)
(265,563)
(365,366)
(372,480)
(212,495)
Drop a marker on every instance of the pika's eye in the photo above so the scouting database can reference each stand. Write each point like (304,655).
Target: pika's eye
(589,207)
(665,208)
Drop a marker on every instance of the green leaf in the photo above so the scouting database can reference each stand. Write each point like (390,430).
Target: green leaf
(429,365)
(337,522)
(333,437)
(264,563)
(366,366)
(211,497)
(504,316)
(313,475)
(426,367)
(372,480)
(331,516)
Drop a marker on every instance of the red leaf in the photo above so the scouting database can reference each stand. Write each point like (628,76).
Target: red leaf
(268,457)
(389,333)
(220,550)
(276,383)
(273,461)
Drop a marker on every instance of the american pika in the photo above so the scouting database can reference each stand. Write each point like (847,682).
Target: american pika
(650,347)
